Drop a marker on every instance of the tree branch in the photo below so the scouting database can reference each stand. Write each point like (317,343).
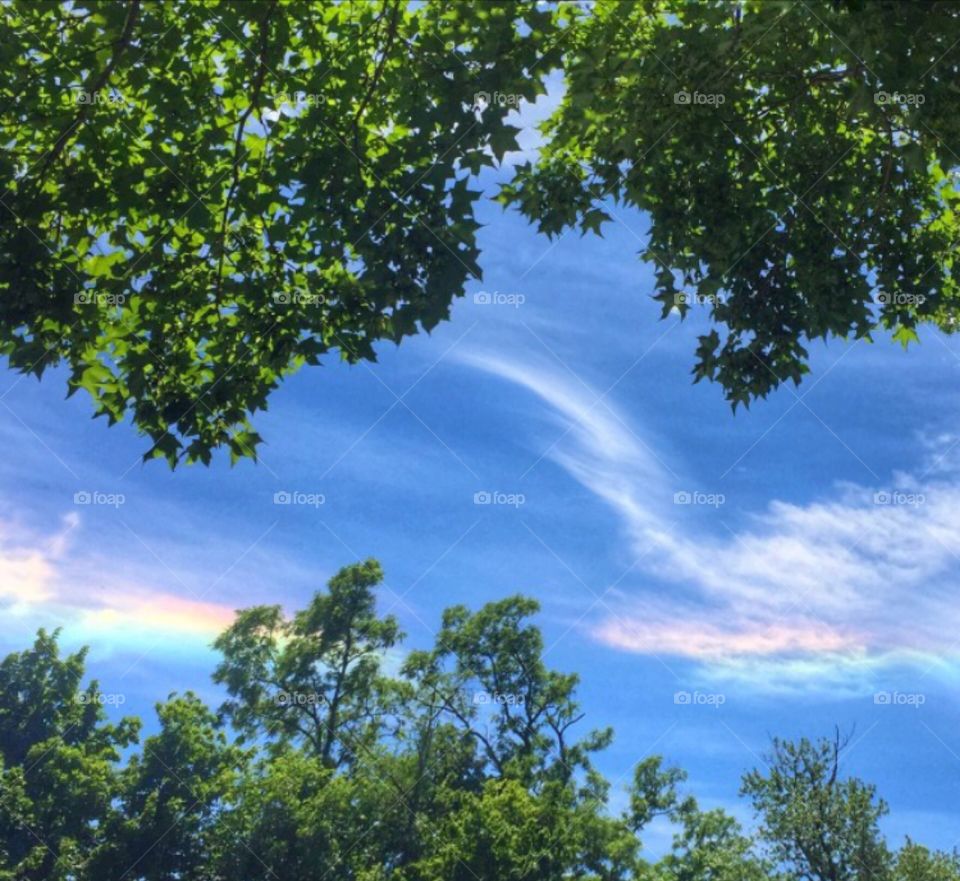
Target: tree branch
(258,80)
(377,73)
(92,89)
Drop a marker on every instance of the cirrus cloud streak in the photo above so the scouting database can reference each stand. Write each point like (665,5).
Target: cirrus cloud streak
(833,590)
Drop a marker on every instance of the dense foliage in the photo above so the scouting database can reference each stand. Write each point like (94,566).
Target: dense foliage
(797,162)
(200,197)
(333,758)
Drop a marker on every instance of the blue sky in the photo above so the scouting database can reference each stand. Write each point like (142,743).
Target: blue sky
(814,568)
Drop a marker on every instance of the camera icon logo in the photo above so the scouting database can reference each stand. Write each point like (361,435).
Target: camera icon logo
(282,498)
(681,97)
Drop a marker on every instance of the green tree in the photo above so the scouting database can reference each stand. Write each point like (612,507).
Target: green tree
(820,826)
(711,846)
(795,161)
(293,817)
(707,845)
(509,831)
(517,795)
(182,233)
(315,678)
(171,796)
(58,764)
(437,774)
(918,863)
(199,198)
(487,676)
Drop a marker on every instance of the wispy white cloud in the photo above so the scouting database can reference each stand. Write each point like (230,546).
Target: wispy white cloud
(27,567)
(822,594)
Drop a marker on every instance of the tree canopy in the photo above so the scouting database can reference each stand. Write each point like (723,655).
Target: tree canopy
(334,757)
(797,162)
(200,198)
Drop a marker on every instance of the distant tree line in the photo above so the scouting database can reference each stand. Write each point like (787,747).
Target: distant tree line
(466,765)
